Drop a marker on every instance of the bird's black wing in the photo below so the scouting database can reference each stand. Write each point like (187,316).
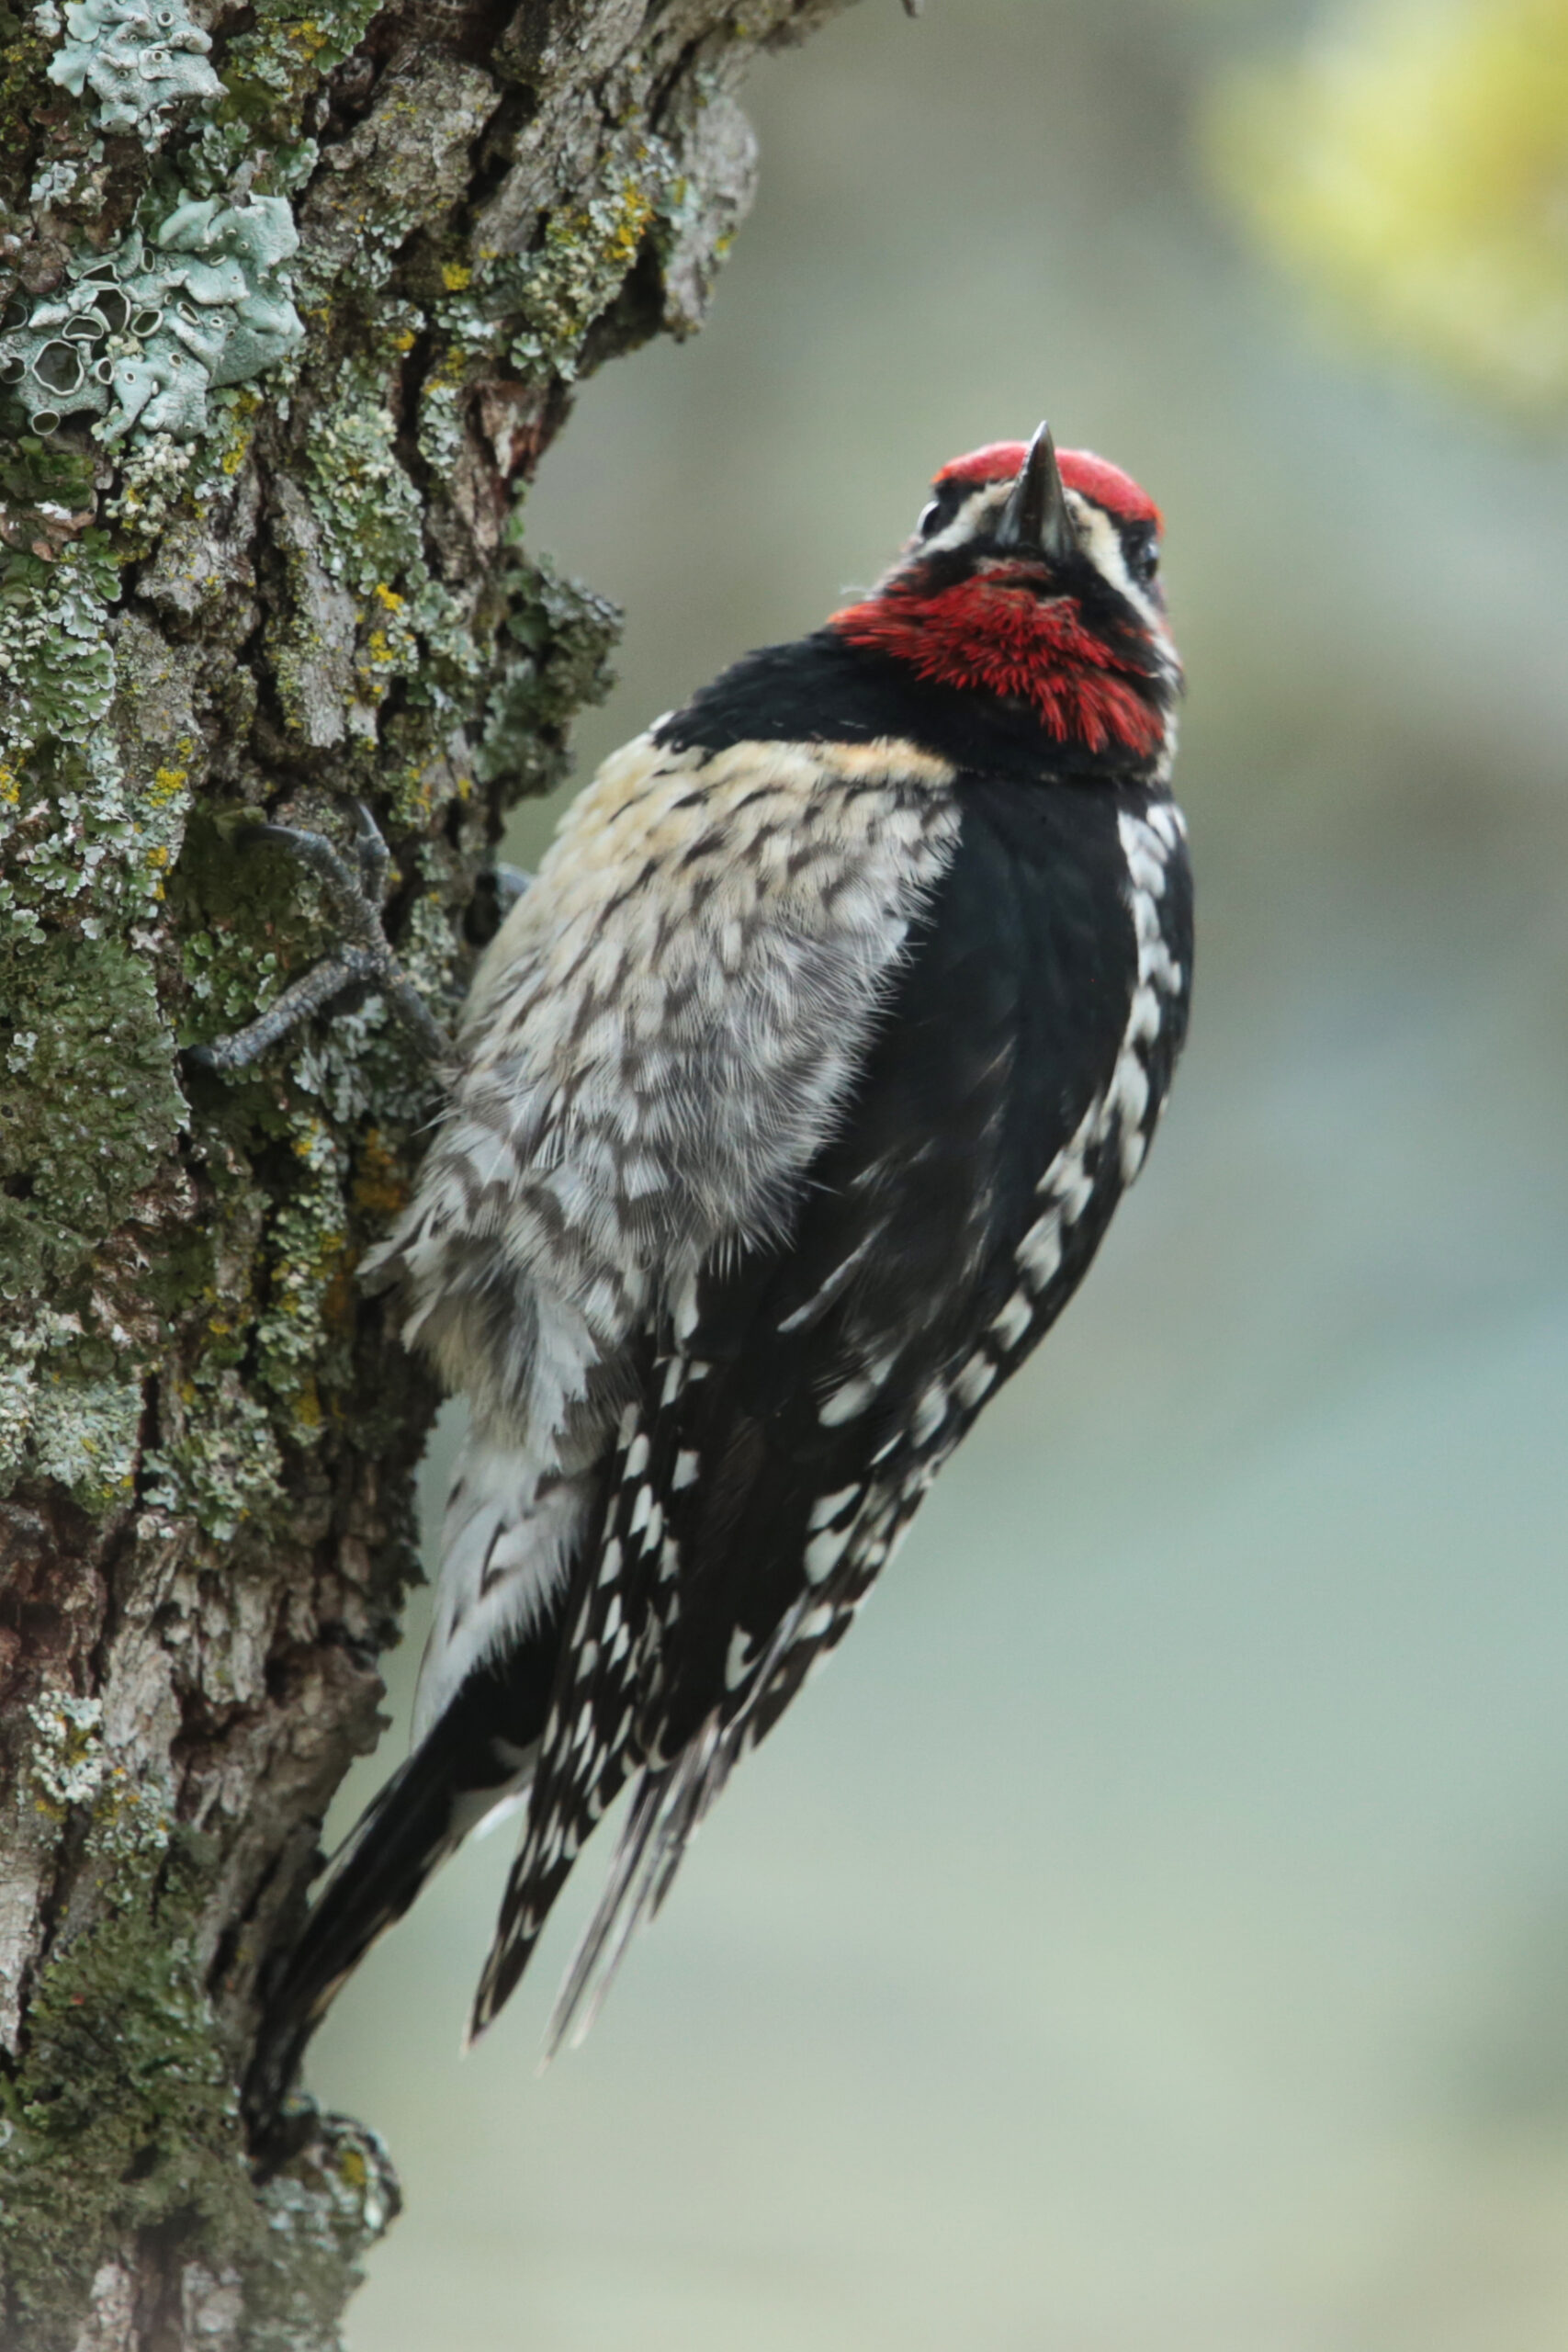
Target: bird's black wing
(799,1405)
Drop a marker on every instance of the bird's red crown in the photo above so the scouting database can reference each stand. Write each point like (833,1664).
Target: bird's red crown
(1079,469)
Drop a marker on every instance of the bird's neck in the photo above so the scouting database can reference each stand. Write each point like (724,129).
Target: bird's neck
(1009,644)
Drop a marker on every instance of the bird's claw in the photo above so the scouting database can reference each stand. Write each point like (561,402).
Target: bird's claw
(366,957)
(497,889)
(375,858)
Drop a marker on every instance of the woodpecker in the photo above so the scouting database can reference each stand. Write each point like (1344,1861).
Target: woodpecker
(790,1104)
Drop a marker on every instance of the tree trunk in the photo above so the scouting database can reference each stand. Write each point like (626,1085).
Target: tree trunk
(295,303)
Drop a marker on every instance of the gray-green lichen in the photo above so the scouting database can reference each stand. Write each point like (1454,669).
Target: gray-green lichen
(142,335)
(89,1103)
(93,2155)
(537,307)
(70,1763)
(122,2117)
(155,2131)
(403,623)
(56,668)
(138,57)
(62,1421)
(552,661)
(323,2212)
(221,1464)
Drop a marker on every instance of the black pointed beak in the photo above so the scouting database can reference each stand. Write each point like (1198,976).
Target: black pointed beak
(1036,518)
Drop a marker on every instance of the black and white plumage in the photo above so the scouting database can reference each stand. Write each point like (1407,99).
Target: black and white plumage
(794,1097)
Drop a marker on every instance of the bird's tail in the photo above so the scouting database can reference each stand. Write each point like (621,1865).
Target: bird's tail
(470,1762)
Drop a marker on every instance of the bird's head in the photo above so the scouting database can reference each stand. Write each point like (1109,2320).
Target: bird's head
(1034,578)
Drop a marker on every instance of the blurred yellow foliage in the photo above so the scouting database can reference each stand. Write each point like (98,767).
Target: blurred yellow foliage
(1413,164)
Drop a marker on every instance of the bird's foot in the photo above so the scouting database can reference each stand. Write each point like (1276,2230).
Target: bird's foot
(364,958)
(497,889)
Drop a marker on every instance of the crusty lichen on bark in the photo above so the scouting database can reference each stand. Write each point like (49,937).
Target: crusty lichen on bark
(279,354)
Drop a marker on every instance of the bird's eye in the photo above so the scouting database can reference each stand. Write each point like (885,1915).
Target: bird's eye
(1143,560)
(928,520)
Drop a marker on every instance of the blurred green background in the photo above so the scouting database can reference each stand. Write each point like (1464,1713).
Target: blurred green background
(1152,1935)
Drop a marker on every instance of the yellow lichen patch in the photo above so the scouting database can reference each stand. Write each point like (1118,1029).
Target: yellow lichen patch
(337,1303)
(413,796)
(167,784)
(10,786)
(380,1189)
(637,211)
(241,433)
(455,276)
(449,368)
(312,1143)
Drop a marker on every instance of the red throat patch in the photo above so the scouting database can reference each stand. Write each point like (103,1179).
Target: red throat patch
(993,636)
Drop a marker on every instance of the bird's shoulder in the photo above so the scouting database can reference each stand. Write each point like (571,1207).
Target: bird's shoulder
(829,688)
(691,843)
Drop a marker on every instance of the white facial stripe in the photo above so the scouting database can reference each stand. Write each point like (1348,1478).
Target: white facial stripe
(970,518)
(1102,542)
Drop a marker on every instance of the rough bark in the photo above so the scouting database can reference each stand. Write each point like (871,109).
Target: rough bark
(295,303)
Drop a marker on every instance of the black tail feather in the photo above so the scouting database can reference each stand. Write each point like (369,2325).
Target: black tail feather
(480,1752)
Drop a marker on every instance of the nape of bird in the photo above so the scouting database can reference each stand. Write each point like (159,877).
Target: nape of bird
(790,1105)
